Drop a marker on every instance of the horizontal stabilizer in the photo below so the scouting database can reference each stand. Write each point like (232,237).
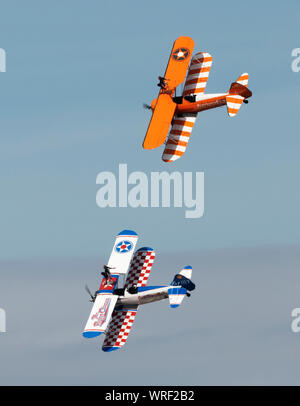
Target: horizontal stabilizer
(176,295)
(234,103)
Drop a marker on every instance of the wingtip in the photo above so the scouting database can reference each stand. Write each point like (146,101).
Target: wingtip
(109,349)
(173,306)
(127,232)
(169,158)
(145,249)
(186,38)
(91,334)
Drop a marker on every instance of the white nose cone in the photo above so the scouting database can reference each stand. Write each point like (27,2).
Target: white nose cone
(187,272)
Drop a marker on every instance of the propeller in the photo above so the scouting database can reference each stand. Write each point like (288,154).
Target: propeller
(146,106)
(90,293)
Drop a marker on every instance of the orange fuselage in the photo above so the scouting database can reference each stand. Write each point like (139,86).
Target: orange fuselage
(200,105)
(207,101)
(185,106)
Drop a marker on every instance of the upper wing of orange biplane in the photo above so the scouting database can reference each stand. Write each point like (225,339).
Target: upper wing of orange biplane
(178,62)
(165,107)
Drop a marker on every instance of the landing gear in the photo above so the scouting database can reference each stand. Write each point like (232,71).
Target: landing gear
(132,290)
(119,292)
(246,101)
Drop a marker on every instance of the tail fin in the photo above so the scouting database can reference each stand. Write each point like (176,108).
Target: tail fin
(180,286)
(238,92)
(243,79)
(187,272)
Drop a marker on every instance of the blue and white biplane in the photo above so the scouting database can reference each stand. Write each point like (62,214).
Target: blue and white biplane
(114,308)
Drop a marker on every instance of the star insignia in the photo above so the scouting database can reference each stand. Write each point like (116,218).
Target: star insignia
(123,246)
(180,54)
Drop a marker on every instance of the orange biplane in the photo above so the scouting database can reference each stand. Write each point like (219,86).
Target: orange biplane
(181,111)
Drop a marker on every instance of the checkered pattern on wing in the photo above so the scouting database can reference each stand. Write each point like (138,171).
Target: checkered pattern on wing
(140,268)
(119,328)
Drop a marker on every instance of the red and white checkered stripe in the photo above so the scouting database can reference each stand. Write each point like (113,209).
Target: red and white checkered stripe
(198,74)
(119,328)
(179,137)
(140,268)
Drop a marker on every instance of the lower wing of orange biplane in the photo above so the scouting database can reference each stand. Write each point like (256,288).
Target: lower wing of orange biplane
(165,107)
(179,137)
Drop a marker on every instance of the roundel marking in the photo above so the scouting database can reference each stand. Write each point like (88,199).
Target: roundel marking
(124,246)
(180,54)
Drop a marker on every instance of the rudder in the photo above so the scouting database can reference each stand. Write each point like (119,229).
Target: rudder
(180,286)
(243,79)
(238,92)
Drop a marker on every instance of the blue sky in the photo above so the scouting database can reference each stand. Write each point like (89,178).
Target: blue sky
(71,101)
(235,329)
(77,75)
